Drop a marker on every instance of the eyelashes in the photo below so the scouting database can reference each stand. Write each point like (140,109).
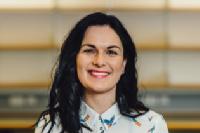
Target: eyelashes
(88,51)
(111,52)
(94,51)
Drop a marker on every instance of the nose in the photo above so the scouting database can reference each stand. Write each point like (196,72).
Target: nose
(99,60)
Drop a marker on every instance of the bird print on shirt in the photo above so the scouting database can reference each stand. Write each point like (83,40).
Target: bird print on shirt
(136,122)
(109,122)
(151,130)
(83,121)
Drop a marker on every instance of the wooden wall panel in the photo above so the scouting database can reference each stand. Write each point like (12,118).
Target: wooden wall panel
(138,4)
(184,30)
(64,22)
(22,67)
(146,28)
(80,4)
(26,4)
(184,4)
(24,29)
(152,71)
(183,69)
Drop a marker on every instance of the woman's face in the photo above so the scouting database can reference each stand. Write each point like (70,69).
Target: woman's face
(100,61)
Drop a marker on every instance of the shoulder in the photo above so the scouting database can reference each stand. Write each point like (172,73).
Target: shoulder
(44,124)
(151,116)
(150,121)
(153,121)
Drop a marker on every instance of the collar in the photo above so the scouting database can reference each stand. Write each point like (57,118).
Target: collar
(90,117)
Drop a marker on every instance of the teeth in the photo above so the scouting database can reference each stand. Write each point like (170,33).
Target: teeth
(99,73)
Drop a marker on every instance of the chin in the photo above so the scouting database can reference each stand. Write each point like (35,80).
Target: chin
(99,89)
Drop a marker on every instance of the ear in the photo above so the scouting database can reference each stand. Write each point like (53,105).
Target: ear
(124,66)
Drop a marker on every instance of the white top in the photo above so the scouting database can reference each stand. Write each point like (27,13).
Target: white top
(111,121)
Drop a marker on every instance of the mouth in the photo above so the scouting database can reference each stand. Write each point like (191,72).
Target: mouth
(100,74)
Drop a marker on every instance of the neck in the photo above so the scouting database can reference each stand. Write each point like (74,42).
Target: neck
(100,102)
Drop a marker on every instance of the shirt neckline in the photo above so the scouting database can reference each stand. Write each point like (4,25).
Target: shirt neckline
(90,117)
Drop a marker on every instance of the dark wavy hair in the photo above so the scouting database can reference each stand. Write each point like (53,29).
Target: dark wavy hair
(66,89)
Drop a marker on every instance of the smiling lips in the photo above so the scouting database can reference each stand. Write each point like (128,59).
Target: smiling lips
(98,74)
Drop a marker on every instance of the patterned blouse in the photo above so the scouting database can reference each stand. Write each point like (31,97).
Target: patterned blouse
(111,121)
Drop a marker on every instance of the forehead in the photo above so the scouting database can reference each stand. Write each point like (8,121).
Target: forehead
(101,36)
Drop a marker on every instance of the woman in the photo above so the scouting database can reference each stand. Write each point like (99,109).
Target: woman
(95,84)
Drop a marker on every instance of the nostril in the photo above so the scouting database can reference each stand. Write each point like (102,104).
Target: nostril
(98,61)
(97,64)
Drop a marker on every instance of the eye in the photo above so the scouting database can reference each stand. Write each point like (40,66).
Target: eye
(111,52)
(89,50)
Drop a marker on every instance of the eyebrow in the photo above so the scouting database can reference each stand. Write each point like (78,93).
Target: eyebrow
(92,46)
(113,46)
(88,45)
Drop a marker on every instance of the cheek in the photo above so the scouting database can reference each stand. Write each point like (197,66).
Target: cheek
(81,64)
(118,67)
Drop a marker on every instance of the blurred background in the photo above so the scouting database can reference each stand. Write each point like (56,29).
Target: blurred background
(166,34)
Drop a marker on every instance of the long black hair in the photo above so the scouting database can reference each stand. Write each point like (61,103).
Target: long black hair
(66,90)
